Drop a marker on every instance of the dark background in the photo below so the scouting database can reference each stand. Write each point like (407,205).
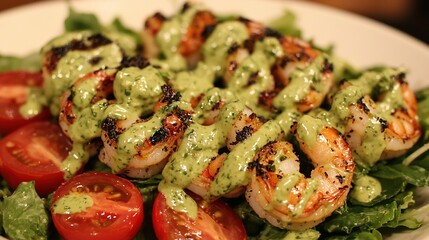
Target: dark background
(410,16)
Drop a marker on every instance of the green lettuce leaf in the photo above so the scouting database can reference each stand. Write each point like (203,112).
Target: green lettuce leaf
(364,218)
(149,190)
(118,26)
(358,235)
(423,107)
(76,21)
(4,192)
(252,222)
(286,24)
(24,214)
(412,174)
(410,218)
(389,189)
(27,63)
(272,233)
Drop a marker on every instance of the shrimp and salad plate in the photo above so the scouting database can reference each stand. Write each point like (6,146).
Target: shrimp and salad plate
(210,120)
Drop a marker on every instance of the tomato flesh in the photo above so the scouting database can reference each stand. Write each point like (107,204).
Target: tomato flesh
(34,153)
(14,88)
(215,220)
(116,211)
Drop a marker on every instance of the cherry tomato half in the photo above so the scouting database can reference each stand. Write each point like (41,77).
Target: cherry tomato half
(215,220)
(14,88)
(34,153)
(96,205)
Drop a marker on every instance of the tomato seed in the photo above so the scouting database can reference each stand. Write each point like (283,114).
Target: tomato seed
(115,196)
(108,189)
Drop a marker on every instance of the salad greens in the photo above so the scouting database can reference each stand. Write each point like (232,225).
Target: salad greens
(286,24)
(24,215)
(87,21)
(11,63)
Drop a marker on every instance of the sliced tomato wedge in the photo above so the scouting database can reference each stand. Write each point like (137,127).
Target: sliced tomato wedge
(14,87)
(34,153)
(97,205)
(215,220)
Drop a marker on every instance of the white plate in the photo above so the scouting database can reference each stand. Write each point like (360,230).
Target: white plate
(360,41)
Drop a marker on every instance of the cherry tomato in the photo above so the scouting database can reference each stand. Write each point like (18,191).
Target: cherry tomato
(34,153)
(14,88)
(114,209)
(215,220)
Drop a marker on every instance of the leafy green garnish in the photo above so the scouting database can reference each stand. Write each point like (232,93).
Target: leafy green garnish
(81,21)
(365,218)
(389,189)
(384,215)
(121,28)
(14,63)
(272,233)
(252,222)
(24,214)
(286,24)
(149,190)
(415,175)
(423,103)
(359,235)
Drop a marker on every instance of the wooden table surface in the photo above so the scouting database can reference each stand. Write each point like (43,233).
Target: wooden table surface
(6,4)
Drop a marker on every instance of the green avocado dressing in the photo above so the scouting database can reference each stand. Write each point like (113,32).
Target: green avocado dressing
(284,188)
(74,65)
(192,83)
(233,172)
(212,99)
(72,203)
(286,119)
(178,199)
(199,146)
(303,78)
(75,159)
(175,63)
(258,64)
(65,39)
(87,124)
(382,86)
(34,104)
(136,91)
(139,132)
(311,188)
(170,35)
(365,189)
(309,129)
(222,38)
(139,89)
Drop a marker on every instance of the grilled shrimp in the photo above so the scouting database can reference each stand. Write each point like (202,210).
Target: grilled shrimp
(140,148)
(208,105)
(193,39)
(284,196)
(385,126)
(299,56)
(85,92)
(404,130)
(283,85)
(191,36)
(242,127)
(237,53)
(151,28)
